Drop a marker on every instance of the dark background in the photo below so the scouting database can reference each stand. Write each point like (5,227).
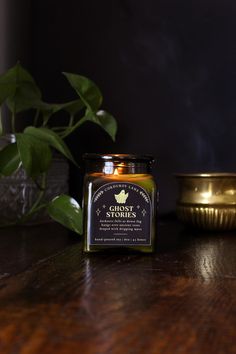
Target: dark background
(167,70)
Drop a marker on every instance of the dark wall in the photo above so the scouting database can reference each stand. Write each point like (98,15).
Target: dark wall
(15,38)
(167,70)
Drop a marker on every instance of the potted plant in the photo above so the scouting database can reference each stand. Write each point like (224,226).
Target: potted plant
(28,156)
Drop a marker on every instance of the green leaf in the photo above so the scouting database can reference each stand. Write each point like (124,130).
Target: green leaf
(23,99)
(6,89)
(35,154)
(87,90)
(51,138)
(9,81)
(9,159)
(67,212)
(19,88)
(105,120)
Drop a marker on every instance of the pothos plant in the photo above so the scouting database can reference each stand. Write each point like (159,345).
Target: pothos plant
(33,147)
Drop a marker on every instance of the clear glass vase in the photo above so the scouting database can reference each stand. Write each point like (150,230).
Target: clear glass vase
(18,192)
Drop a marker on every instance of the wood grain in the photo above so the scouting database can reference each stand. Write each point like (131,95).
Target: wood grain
(179,300)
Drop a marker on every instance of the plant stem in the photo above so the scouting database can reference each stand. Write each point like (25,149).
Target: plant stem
(13,117)
(71,121)
(32,212)
(59,128)
(1,122)
(36,117)
(13,122)
(36,207)
(64,131)
(70,130)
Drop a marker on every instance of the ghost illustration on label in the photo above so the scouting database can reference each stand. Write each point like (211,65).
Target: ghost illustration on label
(121,197)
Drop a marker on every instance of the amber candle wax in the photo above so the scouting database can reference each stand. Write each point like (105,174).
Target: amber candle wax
(119,203)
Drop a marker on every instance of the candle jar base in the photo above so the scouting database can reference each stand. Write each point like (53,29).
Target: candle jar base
(132,249)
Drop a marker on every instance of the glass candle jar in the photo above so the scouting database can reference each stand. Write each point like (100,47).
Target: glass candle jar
(119,202)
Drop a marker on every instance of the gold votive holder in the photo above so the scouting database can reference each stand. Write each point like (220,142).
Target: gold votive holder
(207,200)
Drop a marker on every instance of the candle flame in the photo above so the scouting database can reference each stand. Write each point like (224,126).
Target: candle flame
(116,171)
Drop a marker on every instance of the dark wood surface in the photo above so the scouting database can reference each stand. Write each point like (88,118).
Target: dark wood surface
(55,299)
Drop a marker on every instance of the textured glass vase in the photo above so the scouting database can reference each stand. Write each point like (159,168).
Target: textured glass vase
(18,192)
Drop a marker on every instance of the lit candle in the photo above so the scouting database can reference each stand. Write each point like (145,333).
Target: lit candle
(119,202)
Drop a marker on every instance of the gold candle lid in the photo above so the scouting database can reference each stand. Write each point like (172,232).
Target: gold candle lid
(119,157)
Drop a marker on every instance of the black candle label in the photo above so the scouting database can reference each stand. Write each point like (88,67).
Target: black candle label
(120,214)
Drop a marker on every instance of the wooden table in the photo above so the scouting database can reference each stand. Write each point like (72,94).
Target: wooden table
(54,299)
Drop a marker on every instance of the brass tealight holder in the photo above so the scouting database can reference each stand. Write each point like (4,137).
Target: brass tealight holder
(207,200)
